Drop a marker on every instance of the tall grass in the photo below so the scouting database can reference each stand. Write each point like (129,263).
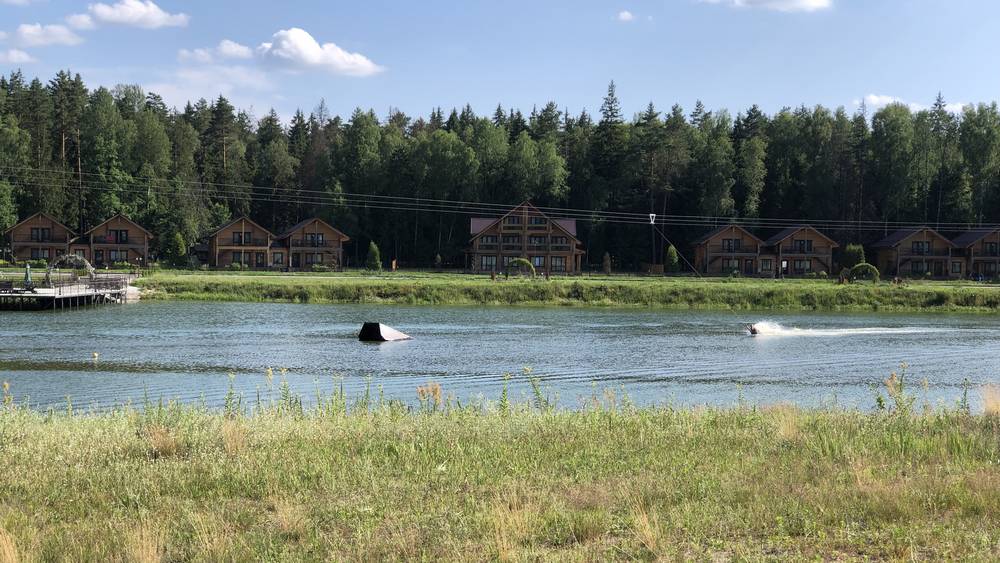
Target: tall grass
(368,478)
(684,293)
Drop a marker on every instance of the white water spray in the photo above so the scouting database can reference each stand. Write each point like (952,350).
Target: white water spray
(773,329)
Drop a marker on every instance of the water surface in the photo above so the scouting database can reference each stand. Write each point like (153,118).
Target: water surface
(194,351)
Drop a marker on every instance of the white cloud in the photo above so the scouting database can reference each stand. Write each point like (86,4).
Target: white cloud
(81,21)
(233,50)
(244,86)
(16,2)
(137,13)
(879,101)
(15,56)
(625,16)
(297,48)
(37,35)
(779,5)
(225,50)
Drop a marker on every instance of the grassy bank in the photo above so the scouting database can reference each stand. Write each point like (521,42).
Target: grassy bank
(679,293)
(508,482)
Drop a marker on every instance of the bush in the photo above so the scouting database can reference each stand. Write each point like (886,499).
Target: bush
(41,263)
(854,254)
(672,261)
(606,264)
(864,271)
(121,266)
(320,268)
(521,265)
(235,267)
(437,261)
(373,261)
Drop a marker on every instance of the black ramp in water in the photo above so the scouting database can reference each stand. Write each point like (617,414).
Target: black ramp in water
(378,332)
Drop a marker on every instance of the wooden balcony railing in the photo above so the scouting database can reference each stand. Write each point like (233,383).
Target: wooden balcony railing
(41,240)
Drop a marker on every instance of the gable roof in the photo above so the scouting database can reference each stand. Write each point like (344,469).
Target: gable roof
(479,224)
(719,230)
(237,220)
(115,216)
(899,236)
(291,230)
(41,214)
(791,231)
(969,238)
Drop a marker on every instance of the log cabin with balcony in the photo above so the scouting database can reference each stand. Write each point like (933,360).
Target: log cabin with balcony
(797,251)
(918,252)
(241,241)
(979,252)
(39,237)
(729,249)
(524,232)
(115,241)
(312,242)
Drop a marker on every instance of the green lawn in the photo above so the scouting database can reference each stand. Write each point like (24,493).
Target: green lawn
(657,292)
(378,481)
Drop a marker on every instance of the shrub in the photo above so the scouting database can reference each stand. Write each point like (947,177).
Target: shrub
(121,265)
(373,261)
(235,267)
(864,271)
(521,265)
(606,264)
(320,268)
(672,261)
(437,261)
(41,263)
(854,254)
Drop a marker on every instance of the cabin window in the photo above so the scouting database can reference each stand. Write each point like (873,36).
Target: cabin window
(98,256)
(731,244)
(766,265)
(314,258)
(488,239)
(488,263)
(538,261)
(80,254)
(39,253)
(536,220)
(261,259)
(512,220)
(117,256)
(956,267)
(802,245)
(921,247)
(731,264)
(991,248)
(558,263)
(512,239)
(278,258)
(918,267)
(41,234)
(536,240)
(990,268)
(560,240)
(803,266)
(119,236)
(507,260)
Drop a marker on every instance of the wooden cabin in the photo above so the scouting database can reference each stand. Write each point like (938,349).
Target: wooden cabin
(309,243)
(797,251)
(241,241)
(917,252)
(979,250)
(115,241)
(524,232)
(39,237)
(730,249)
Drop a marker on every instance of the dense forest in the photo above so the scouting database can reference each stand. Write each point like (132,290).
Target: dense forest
(84,154)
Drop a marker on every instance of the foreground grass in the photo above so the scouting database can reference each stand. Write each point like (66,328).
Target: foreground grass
(383,482)
(677,293)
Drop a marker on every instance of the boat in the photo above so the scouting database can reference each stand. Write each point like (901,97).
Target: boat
(751,329)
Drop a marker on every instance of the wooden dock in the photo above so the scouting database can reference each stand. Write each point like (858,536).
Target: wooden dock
(64,293)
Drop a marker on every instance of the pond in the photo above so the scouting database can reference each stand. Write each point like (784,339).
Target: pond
(194,352)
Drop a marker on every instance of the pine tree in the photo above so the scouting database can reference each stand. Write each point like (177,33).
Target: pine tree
(373,261)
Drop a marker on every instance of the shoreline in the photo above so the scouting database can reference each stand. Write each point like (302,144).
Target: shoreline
(742,295)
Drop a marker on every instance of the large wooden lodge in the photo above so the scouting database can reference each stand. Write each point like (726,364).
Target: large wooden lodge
(550,245)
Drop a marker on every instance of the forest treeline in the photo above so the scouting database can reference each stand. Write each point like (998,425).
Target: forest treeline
(84,154)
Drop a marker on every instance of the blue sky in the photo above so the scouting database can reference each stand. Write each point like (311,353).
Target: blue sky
(415,55)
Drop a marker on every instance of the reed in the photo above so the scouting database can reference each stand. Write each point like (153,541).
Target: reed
(348,478)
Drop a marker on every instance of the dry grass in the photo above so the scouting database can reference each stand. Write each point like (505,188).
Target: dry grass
(146,544)
(512,522)
(289,518)
(8,548)
(787,420)
(991,400)
(646,526)
(162,442)
(234,437)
